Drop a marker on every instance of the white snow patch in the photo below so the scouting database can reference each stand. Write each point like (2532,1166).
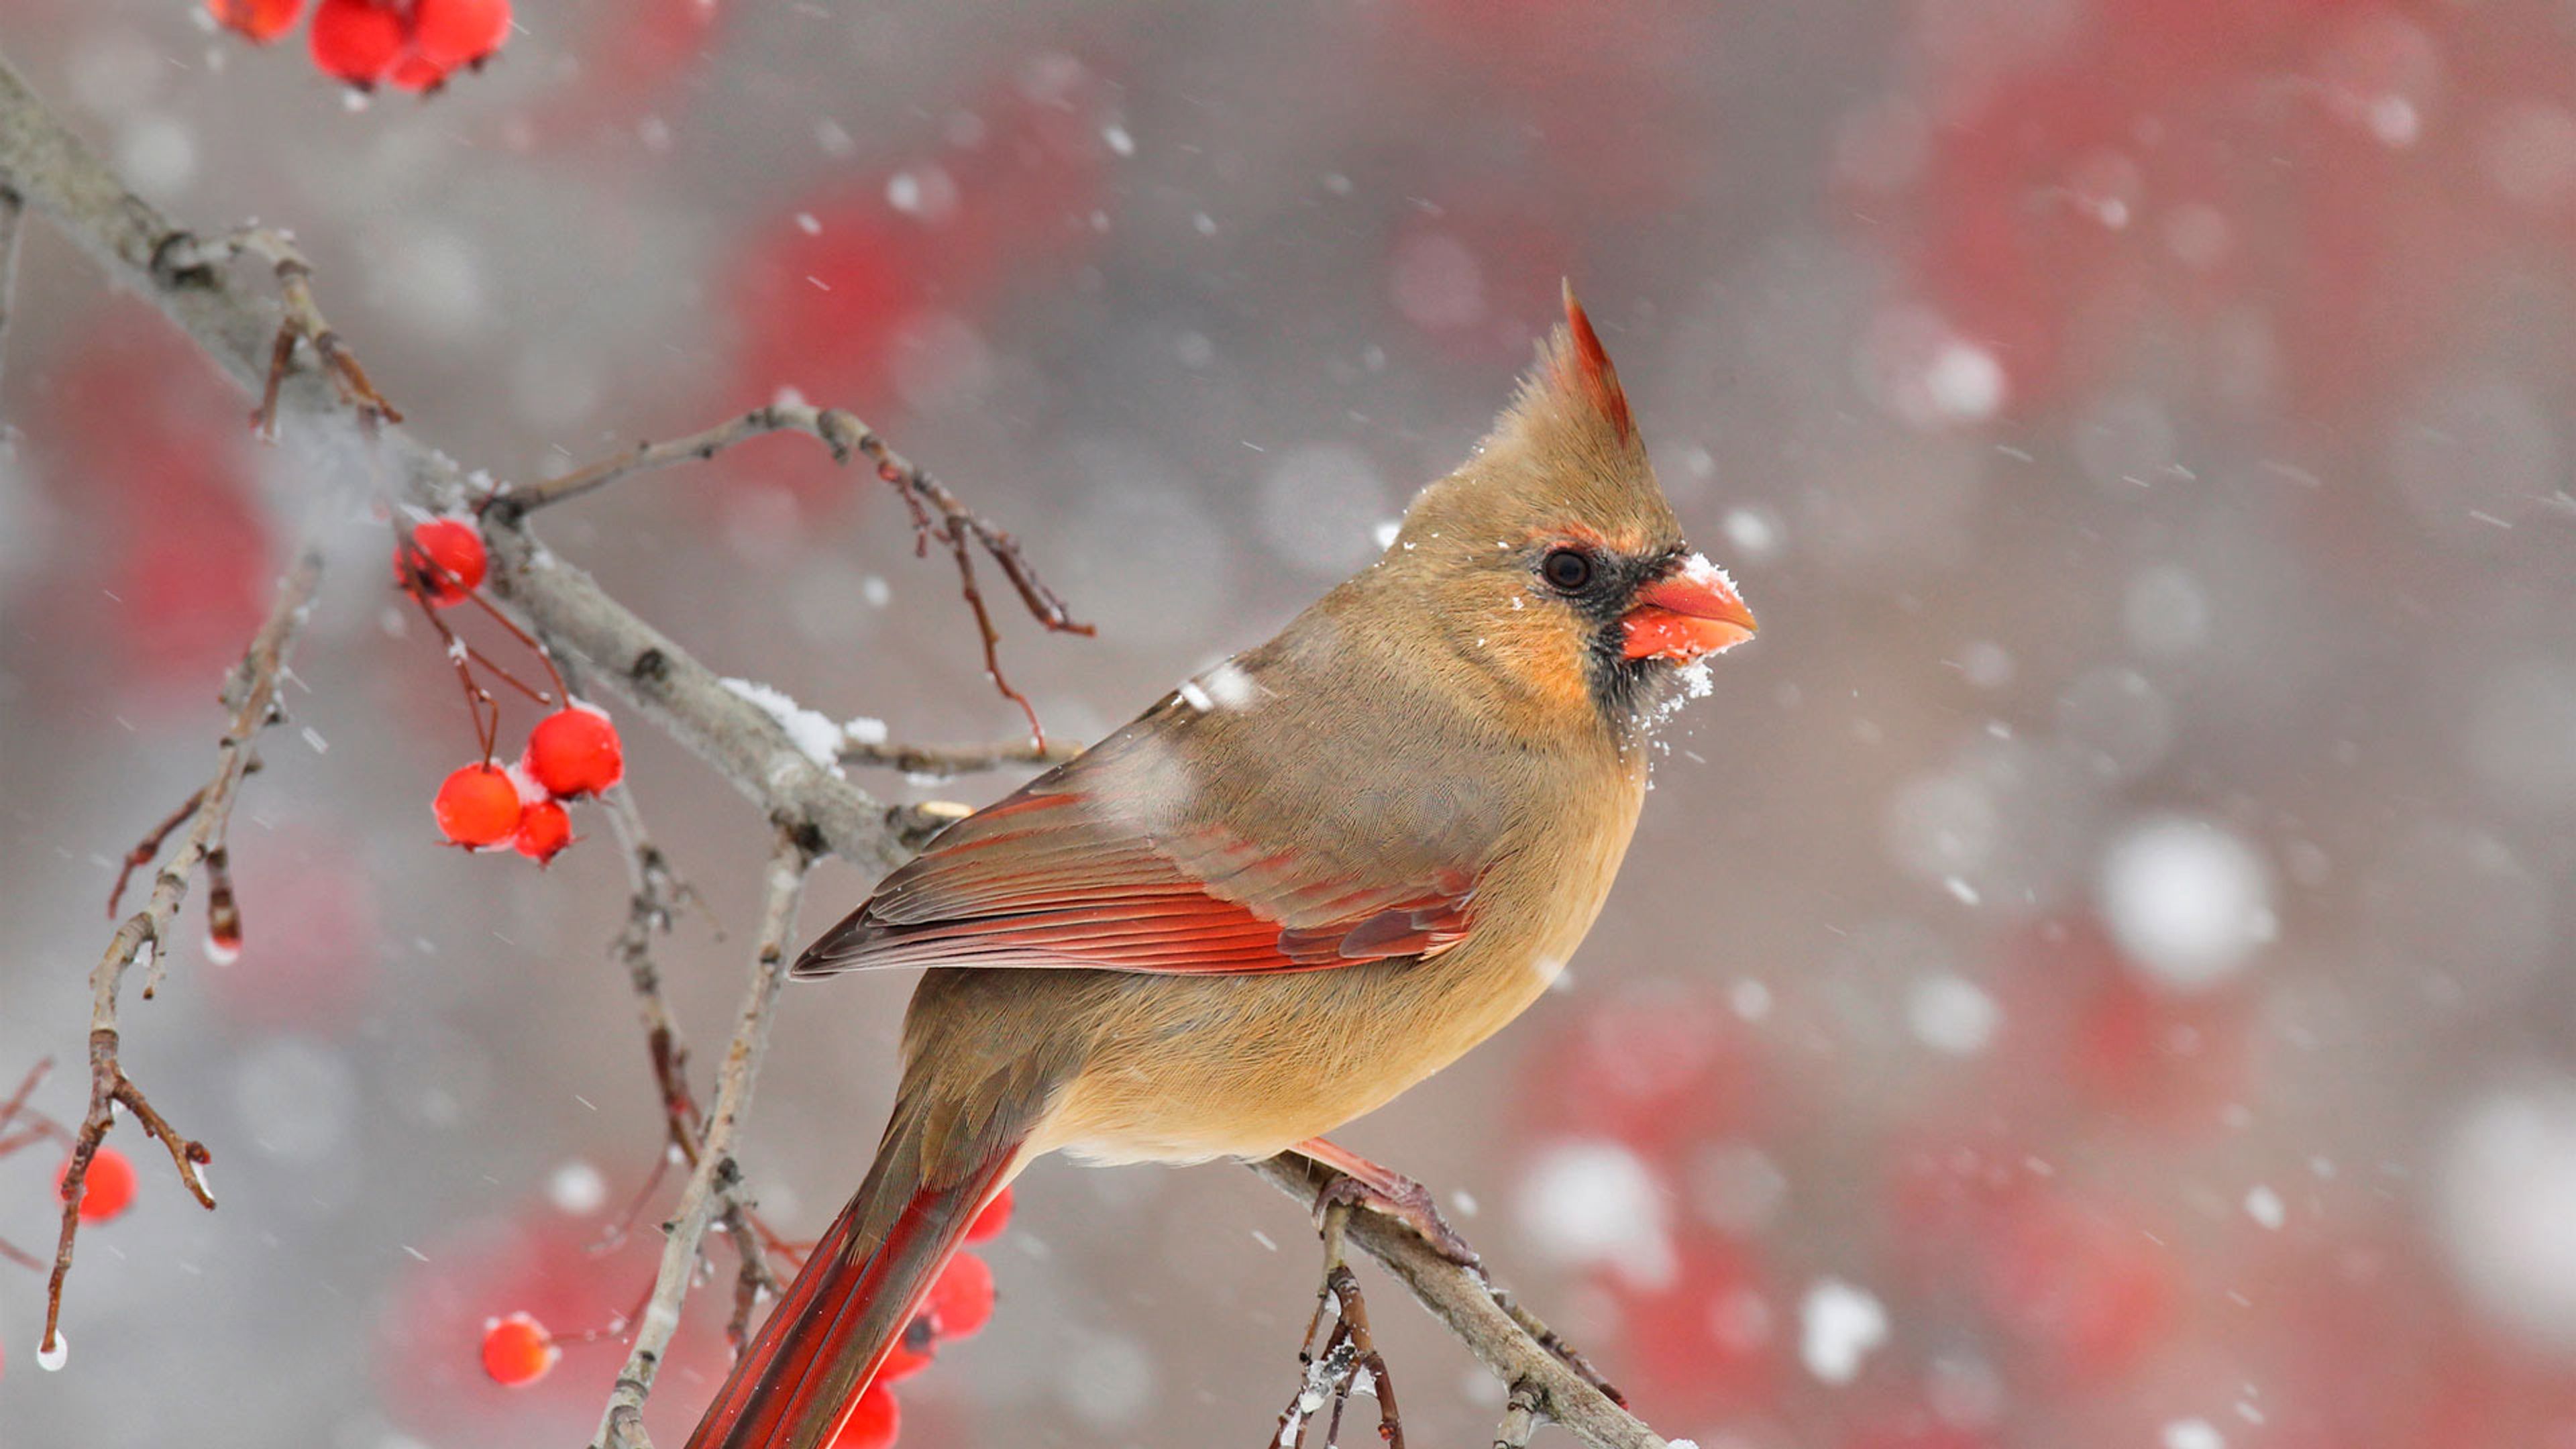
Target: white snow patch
(1951,1015)
(1698,570)
(2192,1434)
(2507,1193)
(576,1187)
(2187,900)
(1755,532)
(864,730)
(2264,1206)
(815,737)
(51,1358)
(1964,381)
(1841,1325)
(1750,998)
(1230,687)
(1597,1202)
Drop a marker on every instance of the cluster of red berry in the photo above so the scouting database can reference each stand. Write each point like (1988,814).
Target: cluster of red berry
(572,753)
(411,45)
(518,1350)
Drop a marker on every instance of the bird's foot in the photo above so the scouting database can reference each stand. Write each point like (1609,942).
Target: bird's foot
(1404,1200)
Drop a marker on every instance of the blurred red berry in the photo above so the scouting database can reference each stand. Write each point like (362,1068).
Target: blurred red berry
(356,40)
(544,829)
(260,20)
(451,33)
(517,1350)
(989,1223)
(912,1353)
(961,1302)
(444,561)
(109,1189)
(415,72)
(575,752)
(873,1423)
(2092,1292)
(478,806)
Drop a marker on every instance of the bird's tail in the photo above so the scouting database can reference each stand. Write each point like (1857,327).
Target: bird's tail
(849,1305)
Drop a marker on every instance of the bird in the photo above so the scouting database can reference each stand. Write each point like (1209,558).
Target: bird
(1305,880)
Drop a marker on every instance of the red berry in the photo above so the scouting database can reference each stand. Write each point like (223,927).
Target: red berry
(356,40)
(517,1350)
(443,561)
(478,806)
(544,829)
(961,1302)
(989,1223)
(261,20)
(109,1188)
(873,1422)
(415,72)
(450,33)
(574,752)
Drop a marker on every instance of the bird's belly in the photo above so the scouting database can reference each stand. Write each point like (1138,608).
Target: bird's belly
(1245,1066)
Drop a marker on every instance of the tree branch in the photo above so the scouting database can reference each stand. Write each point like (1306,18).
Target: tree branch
(251,695)
(713,1180)
(1506,1340)
(943,761)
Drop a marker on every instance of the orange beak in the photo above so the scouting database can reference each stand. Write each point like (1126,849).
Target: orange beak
(1692,611)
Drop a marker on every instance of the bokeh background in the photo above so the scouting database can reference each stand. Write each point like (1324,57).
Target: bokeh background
(2096,973)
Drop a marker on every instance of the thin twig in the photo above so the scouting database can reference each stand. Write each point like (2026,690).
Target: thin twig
(623,1422)
(655,899)
(940,762)
(937,514)
(251,695)
(184,256)
(148,849)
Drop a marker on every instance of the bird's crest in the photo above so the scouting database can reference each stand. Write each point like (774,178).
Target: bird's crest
(1578,370)
(1573,398)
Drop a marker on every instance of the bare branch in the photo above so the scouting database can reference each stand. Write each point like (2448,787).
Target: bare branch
(715,1175)
(251,695)
(944,761)
(185,255)
(1349,1362)
(1461,1299)
(937,515)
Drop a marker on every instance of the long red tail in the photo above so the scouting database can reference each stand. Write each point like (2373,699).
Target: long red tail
(842,1316)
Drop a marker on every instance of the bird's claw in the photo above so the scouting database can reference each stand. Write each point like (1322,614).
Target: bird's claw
(1406,1201)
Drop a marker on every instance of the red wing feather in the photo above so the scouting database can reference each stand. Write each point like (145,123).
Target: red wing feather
(1042,880)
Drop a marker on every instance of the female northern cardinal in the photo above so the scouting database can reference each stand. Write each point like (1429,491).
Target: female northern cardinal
(1291,889)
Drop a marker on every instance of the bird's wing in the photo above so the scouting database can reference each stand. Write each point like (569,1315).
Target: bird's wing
(1071,872)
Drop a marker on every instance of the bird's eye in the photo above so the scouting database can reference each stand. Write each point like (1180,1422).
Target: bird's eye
(1566,569)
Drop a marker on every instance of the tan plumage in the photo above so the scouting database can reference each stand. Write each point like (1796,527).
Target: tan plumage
(1286,892)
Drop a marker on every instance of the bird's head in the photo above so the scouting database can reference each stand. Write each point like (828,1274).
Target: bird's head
(1551,561)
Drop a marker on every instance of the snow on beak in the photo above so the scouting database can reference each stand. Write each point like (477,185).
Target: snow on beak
(1692,611)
